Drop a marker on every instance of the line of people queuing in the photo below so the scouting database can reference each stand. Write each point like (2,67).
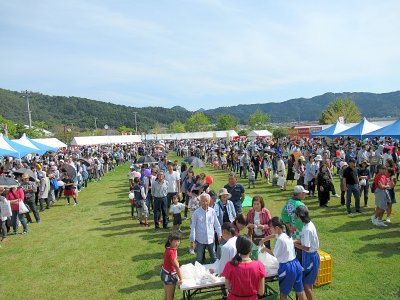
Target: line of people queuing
(40,181)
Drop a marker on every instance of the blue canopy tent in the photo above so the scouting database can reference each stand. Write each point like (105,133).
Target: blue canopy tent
(332,131)
(5,148)
(360,130)
(392,130)
(21,150)
(41,148)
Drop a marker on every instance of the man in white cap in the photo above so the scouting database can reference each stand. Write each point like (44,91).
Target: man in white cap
(288,212)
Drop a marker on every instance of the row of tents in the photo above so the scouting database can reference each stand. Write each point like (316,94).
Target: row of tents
(361,131)
(127,139)
(23,146)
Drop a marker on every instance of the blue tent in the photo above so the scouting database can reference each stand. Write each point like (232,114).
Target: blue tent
(331,131)
(360,130)
(21,150)
(5,148)
(392,130)
(41,148)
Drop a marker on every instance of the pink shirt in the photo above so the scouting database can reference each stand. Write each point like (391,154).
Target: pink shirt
(265,217)
(244,279)
(19,194)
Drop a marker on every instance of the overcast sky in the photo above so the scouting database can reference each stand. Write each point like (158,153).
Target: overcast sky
(199,53)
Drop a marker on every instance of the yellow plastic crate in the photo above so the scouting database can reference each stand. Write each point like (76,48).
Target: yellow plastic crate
(325,269)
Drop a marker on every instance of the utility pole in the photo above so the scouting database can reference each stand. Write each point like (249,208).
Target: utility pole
(95,123)
(135,112)
(28,111)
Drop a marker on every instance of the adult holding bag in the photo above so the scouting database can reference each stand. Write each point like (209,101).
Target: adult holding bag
(5,212)
(16,197)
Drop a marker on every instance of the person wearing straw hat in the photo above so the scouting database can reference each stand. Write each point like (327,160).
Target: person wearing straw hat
(364,176)
(29,188)
(224,209)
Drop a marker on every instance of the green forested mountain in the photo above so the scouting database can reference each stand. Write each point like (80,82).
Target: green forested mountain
(58,110)
(371,105)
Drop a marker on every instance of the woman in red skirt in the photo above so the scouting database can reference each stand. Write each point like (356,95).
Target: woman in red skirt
(69,190)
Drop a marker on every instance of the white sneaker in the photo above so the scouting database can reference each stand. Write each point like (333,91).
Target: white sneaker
(387,220)
(75,204)
(373,219)
(380,223)
(336,196)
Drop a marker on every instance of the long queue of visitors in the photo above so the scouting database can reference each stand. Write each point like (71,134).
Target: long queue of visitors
(35,183)
(217,218)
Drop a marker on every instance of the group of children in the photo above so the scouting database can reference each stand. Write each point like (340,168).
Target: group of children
(292,273)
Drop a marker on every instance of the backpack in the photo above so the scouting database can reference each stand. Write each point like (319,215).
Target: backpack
(376,160)
(138,196)
(54,184)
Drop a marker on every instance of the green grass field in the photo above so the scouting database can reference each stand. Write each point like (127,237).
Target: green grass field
(95,250)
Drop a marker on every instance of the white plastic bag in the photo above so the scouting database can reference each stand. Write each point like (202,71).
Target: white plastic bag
(187,271)
(5,208)
(199,272)
(281,181)
(270,262)
(22,208)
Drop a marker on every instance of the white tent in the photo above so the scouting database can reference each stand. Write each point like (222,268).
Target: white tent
(52,142)
(191,135)
(260,133)
(105,140)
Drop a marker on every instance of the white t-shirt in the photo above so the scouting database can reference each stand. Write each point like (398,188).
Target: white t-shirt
(309,237)
(177,208)
(256,223)
(284,249)
(228,251)
(172,181)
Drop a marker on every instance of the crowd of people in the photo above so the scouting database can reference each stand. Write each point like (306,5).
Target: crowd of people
(311,165)
(38,182)
(161,189)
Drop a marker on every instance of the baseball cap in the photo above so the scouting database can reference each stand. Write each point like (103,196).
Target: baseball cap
(299,189)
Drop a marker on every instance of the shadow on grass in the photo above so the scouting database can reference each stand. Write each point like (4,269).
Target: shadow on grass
(108,221)
(119,213)
(382,249)
(357,225)
(154,285)
(150,256)
(381,235)
(151,273)
(112,203)
(121,233)
(114,228)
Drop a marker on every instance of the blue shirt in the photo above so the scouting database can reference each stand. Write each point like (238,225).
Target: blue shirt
(236,193)
(204,223)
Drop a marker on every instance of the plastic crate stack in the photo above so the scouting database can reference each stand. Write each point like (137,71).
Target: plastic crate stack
(325,269)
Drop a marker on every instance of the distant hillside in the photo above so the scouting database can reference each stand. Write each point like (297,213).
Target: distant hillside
(370,105)
(58,110)
(55,110)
